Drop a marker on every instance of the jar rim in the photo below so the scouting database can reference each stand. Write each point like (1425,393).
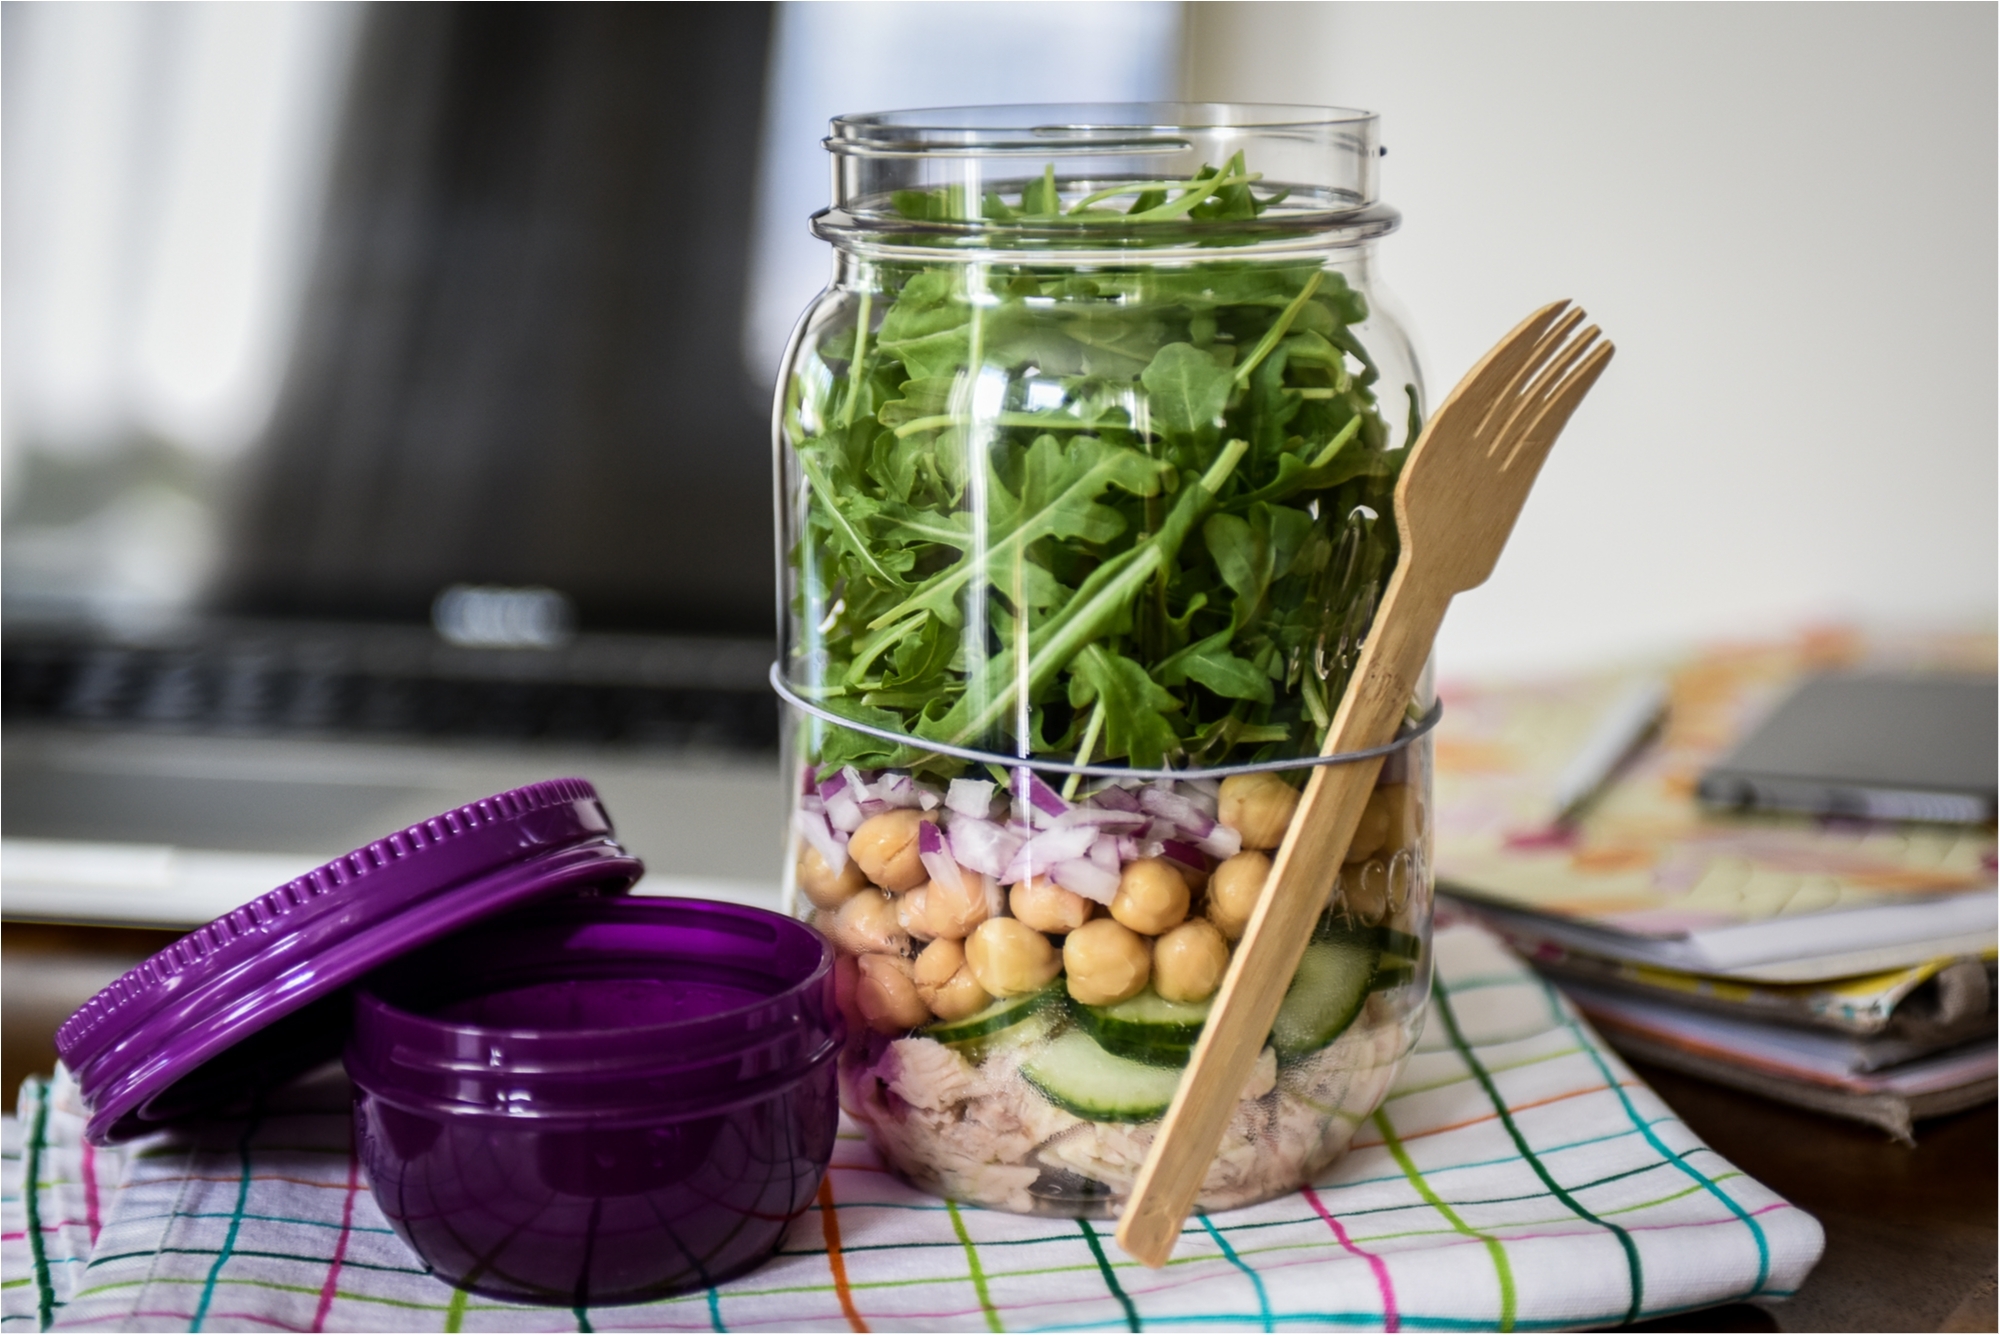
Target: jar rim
(1114,176)
(1073,127)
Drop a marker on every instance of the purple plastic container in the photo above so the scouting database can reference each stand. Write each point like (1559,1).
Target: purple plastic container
(599,1101)
(563,1095)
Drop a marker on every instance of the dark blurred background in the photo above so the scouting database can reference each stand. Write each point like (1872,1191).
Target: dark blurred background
(519,360)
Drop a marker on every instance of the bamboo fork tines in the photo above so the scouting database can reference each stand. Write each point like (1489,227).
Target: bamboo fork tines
(1459,495)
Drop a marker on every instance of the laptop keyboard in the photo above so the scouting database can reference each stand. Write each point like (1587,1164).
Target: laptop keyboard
(625,690)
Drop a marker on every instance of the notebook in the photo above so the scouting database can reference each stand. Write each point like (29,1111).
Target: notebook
(1646,873)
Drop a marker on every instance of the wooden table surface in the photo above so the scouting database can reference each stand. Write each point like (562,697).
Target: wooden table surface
(1910,1232)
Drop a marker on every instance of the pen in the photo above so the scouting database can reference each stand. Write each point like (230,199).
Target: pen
(1631,719)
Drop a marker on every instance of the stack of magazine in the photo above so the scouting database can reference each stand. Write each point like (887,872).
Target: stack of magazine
(1839,963)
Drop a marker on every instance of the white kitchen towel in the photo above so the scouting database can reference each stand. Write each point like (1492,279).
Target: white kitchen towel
(1518,1177)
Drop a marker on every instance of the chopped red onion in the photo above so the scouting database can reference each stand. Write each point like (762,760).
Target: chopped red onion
(896,789)
(843,813)
(971,797)
(1173,850)
(832,784)
(1048,848)
(928,799)
(1121,821)
(1113,798)
(1182,812)
(1086,878)
(1157,829)
(1042,802)
(1208,788)
(1204,802)
(936,859)
(1104,852)
(812,827)
(982,845)
(811,802)
(1221,844)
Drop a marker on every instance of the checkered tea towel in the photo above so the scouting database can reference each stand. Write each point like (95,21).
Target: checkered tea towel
(1519,1177)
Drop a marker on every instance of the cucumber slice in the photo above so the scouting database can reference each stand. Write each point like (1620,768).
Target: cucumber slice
(1400,944)
(1001,1015)
(1326,994)
(1391,974)
(1080,1077)
(1146,1028)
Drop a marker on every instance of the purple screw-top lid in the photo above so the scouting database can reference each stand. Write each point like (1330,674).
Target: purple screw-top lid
(260,994)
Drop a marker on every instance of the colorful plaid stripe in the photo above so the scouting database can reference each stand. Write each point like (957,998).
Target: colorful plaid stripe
(1518,1177)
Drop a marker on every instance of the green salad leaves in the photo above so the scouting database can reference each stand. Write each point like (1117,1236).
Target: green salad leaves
(1139,512)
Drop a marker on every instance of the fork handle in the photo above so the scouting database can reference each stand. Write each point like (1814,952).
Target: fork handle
(1261,969)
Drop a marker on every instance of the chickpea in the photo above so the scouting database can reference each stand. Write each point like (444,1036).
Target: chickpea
(1104,962)
(1406,816)
(1373,829)
(887,995)
(1400,869)
(1010,958)
(1196,877)
(1408,902)
(912,914)
(1259,807)
(1189,961)
(866,925)
(1234,890)
(825,887)
(946,984)
(1364,890)
(937,962)
(935,911)
(847,978)
(1047,907)
(1151,896)
(886,848)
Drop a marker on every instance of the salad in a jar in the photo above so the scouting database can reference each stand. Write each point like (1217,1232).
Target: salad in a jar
(1025,976)
(1071,550)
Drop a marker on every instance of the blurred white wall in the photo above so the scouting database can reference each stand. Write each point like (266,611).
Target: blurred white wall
(1784,215)
(836,57)
(163,171)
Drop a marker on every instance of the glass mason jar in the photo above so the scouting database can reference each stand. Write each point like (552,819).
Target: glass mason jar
(1085,465)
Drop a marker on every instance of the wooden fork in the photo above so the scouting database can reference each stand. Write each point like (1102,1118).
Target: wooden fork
(1456,502)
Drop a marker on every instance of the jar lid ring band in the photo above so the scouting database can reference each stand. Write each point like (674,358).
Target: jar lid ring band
(1410,732)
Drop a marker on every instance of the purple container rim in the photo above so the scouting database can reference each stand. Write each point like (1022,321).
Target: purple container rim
(607,1118)
(397,1054)
(405,1017)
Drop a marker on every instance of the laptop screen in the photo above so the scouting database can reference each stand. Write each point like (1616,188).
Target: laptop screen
(519,360)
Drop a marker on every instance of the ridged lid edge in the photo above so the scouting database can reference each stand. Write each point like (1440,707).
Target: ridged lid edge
(228,934)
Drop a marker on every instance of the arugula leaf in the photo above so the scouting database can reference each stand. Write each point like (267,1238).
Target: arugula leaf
(1210,663)
(1187,390)
(1135,706)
